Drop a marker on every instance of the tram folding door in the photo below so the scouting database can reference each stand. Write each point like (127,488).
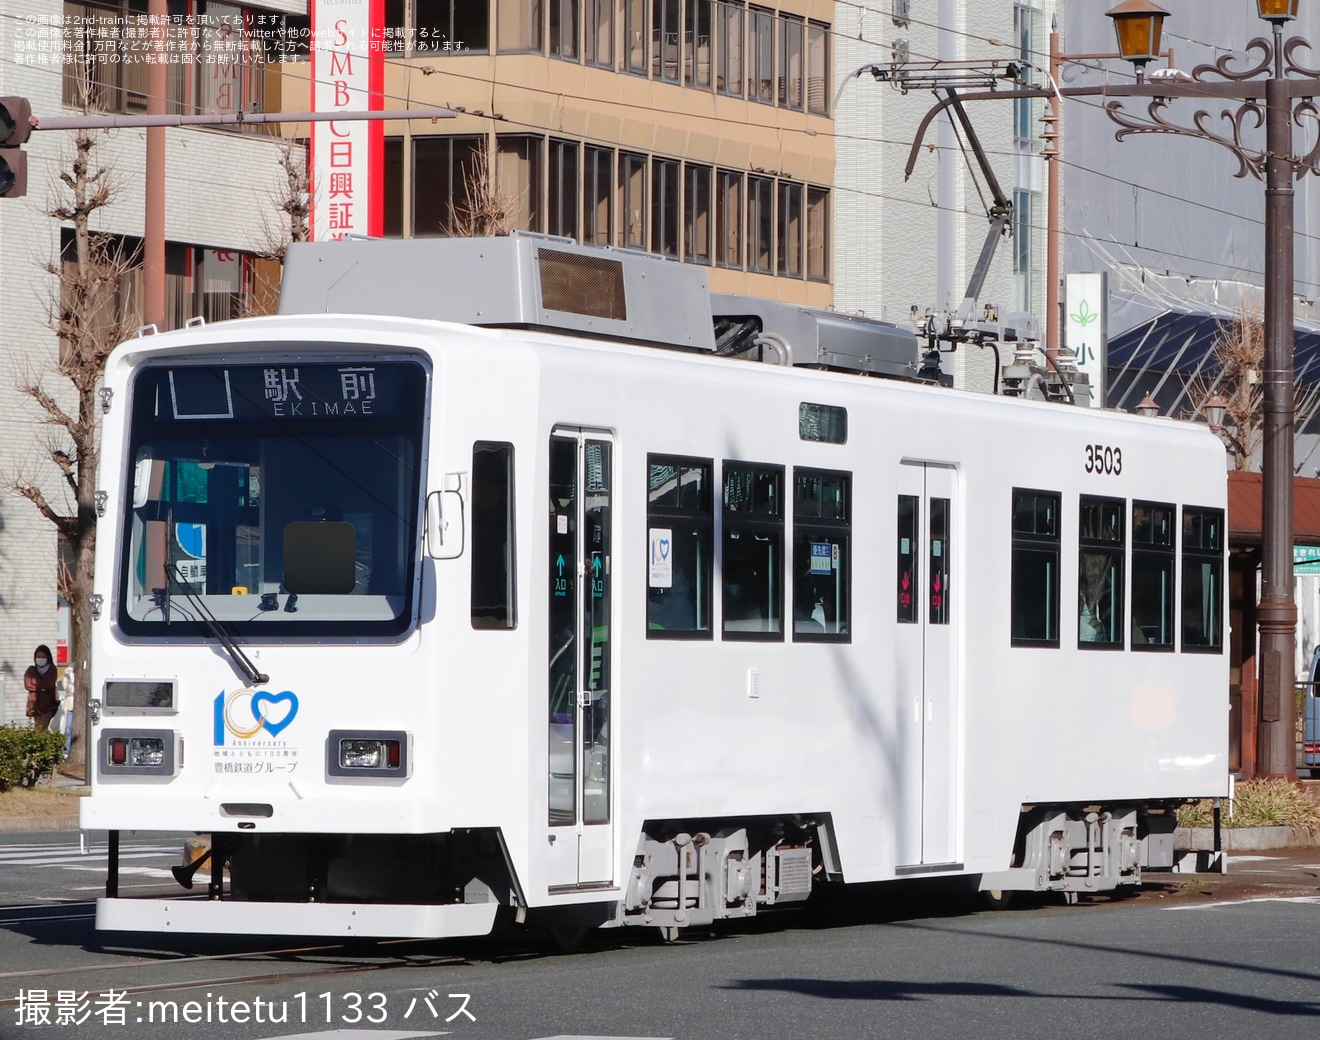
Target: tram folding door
(581,535)
(926,674)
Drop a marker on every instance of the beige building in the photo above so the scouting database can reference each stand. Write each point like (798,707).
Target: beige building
(696,129)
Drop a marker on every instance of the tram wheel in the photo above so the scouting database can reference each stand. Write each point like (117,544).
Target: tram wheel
(997,898)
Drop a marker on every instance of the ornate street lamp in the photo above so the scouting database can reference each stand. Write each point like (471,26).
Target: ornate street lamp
(1138,24)
(1277,11)
(1276,91)
(1277,611)
(1148,407)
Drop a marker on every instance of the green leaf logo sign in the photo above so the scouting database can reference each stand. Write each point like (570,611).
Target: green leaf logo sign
(1085,316)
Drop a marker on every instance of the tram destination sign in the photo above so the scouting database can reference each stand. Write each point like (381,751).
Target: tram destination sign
(351,389)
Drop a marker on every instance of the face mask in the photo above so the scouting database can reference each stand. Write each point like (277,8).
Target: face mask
(42,662)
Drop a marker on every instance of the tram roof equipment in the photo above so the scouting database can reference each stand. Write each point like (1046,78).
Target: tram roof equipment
(527,280)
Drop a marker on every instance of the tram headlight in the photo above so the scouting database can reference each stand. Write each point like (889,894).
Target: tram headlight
(146,751)
(361,753)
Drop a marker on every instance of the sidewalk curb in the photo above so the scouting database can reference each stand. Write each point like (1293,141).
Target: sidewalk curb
(1243,839)
(39,823)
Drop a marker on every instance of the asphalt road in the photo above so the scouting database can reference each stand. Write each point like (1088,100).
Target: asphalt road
(1192,956)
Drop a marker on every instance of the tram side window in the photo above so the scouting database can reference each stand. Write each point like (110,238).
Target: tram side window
(680,530)
(753,551)
(1100,555)
(822,521)
(1202,579)
(1034,607)
(1152,575)
(493,591)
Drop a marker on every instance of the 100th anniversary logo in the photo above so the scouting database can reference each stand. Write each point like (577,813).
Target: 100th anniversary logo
(247,725)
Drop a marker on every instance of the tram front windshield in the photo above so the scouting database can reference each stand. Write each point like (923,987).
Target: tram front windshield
(282,498)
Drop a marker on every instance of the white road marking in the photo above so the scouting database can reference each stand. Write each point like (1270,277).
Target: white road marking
(1241,902)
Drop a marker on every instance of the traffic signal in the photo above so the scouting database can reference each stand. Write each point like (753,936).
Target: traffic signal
(15,128)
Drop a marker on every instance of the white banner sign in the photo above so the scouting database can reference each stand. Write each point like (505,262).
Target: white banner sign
(347,157)
(1086,330)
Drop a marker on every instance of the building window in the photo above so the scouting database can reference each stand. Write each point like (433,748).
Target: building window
(599,44)
(564,29)
(791,42)
(761,56)
(752,563)
(728,218)
(729,52)
(696,214)
(393,187)
(637,33)
(494,602)
(562,217)
(818,234)
(1101,548)
(696,43)
(760,224)
(633,186)
(680,528)
(230,66)
(664,207)
(821,559)
(1202,579)
(1025,22)
(442,180)
(790,229)
(1034,579)
(518,180)
(95,74)
(450,27)
(1024,207)
(1152,575)
(598,182)
(665,39)
(518,25)
(818,68)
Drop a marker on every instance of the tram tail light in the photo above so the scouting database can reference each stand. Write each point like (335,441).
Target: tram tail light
(360,753)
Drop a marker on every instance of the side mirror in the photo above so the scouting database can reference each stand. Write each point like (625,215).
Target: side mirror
(444,525)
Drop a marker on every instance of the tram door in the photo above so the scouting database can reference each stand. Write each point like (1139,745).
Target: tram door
(580,832)
(926,663)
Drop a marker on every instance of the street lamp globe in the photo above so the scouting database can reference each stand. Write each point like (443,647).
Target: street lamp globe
(1138,24)
(1277,11)
(1213,409)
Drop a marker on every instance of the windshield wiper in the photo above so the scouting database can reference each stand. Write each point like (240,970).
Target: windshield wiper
(207,620)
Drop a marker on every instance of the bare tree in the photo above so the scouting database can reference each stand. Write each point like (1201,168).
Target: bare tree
(482,208)
(291,200)
(90,312)
(1240,350)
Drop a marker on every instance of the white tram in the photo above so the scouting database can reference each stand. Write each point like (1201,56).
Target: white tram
(611,614)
